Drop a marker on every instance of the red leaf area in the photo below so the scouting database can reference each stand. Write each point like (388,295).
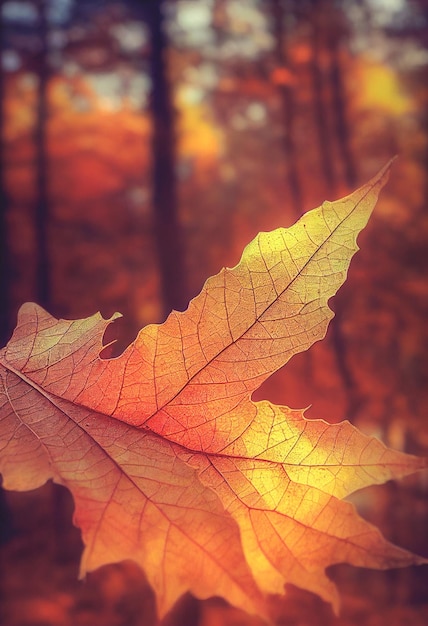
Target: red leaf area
(171,463)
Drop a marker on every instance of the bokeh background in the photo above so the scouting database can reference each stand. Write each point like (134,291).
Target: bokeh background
(143,144)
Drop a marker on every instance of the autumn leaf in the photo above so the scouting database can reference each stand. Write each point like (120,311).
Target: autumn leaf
(171,463)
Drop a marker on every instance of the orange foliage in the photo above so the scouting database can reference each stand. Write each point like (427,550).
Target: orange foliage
(199,138)
(377,87)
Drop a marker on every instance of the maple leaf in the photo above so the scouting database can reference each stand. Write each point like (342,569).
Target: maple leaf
(171,463)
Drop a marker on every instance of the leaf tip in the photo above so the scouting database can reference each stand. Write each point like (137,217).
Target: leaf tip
(415,463)
(382,175)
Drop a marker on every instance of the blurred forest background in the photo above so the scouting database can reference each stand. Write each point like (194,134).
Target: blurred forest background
(143,144)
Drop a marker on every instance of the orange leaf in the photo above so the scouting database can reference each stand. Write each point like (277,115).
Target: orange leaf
(169,460)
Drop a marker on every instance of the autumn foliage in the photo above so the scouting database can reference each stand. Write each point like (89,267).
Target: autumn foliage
(170,461)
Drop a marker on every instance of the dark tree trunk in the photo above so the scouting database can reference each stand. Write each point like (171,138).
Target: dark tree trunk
(42,222)
(43,286)
(5,314)
(167,228)
(288,107)
(334,37)
(325,144)
(333,30)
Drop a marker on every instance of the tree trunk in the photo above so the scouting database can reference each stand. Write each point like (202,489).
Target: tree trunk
(5,316)
(334,27)
(343,134)
(288,108)
(167,228)
(43,286)
(325,146)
